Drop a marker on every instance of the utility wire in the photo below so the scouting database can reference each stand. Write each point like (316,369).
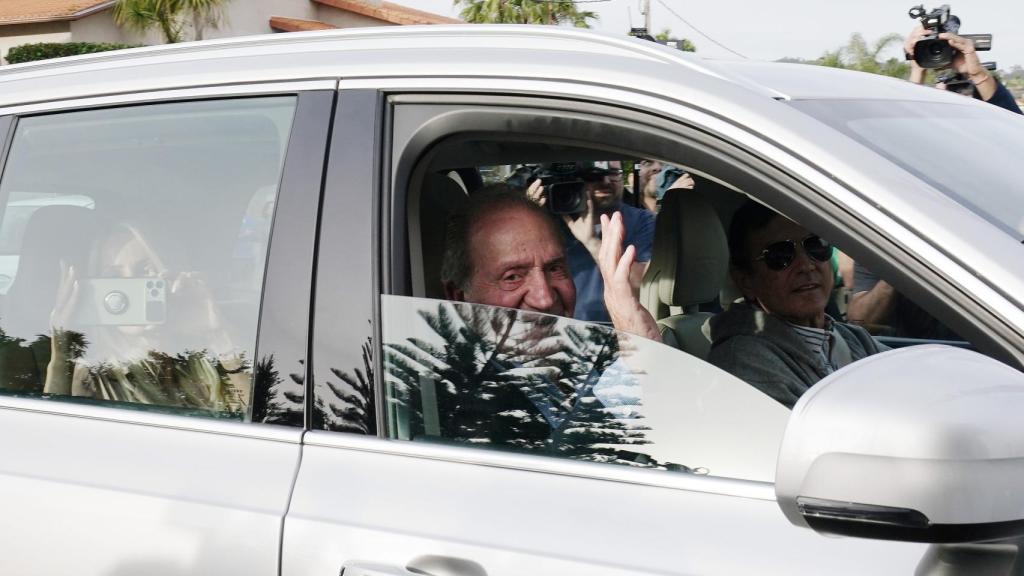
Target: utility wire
(697,30)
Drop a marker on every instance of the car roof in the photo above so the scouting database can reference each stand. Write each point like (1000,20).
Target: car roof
(478,50)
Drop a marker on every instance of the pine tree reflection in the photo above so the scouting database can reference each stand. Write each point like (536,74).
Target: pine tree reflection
(507,378)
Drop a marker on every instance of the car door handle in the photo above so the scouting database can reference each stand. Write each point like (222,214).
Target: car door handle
(420,566)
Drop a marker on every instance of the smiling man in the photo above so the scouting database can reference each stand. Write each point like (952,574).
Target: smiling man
(779,339)
(503,249)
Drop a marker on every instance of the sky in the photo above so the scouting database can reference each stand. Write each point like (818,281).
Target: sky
(769,30)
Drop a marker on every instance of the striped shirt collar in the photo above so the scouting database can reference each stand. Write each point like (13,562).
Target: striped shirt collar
(818,340)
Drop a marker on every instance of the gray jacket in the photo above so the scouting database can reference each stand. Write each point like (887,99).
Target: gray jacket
(765,352)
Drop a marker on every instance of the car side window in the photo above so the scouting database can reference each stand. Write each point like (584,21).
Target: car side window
(135,241)
(505,379)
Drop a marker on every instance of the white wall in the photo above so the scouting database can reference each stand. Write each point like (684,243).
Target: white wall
(18,34)
(100,27)
(248,17)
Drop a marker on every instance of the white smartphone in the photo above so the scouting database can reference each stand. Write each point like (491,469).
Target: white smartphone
(121,301)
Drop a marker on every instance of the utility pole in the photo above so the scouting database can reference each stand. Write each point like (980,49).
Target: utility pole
(647,15)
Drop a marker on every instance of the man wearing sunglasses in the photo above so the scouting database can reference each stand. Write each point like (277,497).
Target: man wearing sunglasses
(779,338)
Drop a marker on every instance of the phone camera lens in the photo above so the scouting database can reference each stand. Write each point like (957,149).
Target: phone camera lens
(115,302)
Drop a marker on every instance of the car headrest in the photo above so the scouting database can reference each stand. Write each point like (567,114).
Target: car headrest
(53,234)
(690,257)
(441,197)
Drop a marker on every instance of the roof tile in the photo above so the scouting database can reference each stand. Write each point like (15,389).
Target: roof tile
(285,24)
(390,12)
(26,11)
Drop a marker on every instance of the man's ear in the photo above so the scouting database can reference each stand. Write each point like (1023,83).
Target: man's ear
(453,292)
(742,280)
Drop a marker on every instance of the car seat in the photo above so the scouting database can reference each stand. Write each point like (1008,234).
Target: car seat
(689,263)
(440,197)
(54,234)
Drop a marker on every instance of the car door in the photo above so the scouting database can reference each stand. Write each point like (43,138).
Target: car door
(391,482)
(153,336)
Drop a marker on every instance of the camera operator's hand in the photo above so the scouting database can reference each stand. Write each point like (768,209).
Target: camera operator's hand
(583,228)
(916,72)
(685,181)
(535,192)
(966,62)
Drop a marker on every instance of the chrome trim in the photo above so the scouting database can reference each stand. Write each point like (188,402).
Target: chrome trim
(158,95)
(139,417)
(546,465)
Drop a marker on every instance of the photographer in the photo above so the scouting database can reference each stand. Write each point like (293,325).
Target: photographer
(583,250)
(965,62)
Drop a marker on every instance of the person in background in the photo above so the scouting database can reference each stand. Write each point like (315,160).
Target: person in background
(604,197)
(986,86)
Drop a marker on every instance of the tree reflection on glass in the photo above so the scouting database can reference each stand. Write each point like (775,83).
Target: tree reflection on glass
(347,404)
(60,366)
(506,378)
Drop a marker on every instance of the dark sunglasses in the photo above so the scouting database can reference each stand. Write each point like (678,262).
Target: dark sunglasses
(779,255)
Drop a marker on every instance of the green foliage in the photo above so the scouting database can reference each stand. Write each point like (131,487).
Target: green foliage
(858,55)
(524,12)
(684,44)
(495,378)
(1013,79)
(47,50)
(172,17)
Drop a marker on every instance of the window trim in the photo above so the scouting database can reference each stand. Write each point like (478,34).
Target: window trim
(346,315)
(753,489)
(159,96)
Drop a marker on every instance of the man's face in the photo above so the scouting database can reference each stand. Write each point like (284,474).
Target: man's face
(518,262)
(798,293)
(606,193)
(648,170)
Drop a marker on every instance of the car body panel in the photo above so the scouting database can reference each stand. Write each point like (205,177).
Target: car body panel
(370,500)
(93,490)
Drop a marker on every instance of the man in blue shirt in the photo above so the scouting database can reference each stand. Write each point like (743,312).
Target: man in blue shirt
(604,196)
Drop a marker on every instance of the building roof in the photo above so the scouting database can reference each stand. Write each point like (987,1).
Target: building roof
(284,24)
(28,11)
(390,12)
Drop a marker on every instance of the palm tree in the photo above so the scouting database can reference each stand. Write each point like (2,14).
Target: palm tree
(170,16)
(858,55)
(524,12)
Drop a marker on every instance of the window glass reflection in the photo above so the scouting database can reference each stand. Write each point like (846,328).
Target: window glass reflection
(136,240)
(507,379)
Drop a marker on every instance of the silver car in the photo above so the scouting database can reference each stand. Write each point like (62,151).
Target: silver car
(225,346)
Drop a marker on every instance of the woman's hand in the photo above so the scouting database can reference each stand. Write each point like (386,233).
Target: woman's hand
(67,297)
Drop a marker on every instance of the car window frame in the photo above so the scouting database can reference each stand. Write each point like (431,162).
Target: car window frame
(779,185)
(346,314)
(299,185)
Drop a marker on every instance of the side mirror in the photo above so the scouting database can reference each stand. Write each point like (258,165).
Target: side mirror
(922,444)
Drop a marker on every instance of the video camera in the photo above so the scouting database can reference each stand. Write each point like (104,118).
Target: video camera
(934,52)
(956,82)
(564,182)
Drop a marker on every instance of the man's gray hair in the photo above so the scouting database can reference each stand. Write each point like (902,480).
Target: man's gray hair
(457,264)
